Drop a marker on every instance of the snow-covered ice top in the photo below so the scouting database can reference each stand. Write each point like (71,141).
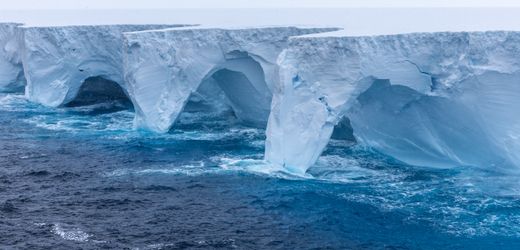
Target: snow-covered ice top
(434,99)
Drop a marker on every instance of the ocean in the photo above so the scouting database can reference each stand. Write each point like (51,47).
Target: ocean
(82,178)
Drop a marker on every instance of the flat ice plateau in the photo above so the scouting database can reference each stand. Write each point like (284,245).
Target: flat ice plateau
(436,94)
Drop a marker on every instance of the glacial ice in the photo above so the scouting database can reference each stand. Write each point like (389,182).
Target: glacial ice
(439,99)
(11,70)
(164,68)
(58,59)
(429,99)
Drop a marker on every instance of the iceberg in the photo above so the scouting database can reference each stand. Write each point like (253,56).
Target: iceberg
(431,99)
(440,99)
(11,69)
(58,60)
(164,68)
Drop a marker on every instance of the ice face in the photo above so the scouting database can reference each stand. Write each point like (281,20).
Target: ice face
(11,70)
(420,129)
(164,68)
(431,99)
(495,99)
(58,60)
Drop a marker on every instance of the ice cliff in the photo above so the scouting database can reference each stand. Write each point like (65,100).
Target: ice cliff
(11,70)
(57,60)
(429,99)
(164,68)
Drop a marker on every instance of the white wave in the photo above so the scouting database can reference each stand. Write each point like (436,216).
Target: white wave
(197,135)
(77,123)
(43,121)
(240,164)
(32,156)
(155,246)
(260,144)
(350,169)
(11,102)
(195,169)
(257,166)
(225,164)
(72,234)
(329,169)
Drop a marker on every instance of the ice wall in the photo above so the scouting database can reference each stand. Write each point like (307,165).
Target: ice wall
(433,99)
(58,59)
(164,68)
(11,70)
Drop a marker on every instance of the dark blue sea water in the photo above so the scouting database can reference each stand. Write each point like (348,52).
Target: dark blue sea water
(81,178)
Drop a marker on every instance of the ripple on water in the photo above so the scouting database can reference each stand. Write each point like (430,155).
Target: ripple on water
(462,203)
(195,169)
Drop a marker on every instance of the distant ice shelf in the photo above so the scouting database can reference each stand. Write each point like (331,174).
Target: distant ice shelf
(441,99)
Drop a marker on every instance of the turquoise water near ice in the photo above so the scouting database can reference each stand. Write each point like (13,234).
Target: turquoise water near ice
(81,177)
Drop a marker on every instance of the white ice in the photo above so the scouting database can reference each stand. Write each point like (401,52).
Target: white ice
(434,98)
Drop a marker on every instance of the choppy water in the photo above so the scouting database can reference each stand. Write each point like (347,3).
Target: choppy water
(82,178)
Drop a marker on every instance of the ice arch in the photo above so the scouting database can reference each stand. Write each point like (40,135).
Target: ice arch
(241,79)
(57,60)
(164,68)
(430,99)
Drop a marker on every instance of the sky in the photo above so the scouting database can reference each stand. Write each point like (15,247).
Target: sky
(172,4)
(357,17)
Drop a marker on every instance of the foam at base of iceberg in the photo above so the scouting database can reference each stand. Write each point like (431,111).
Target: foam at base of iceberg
(432,99)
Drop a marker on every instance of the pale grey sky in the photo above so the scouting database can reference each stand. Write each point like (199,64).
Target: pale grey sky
(169,4)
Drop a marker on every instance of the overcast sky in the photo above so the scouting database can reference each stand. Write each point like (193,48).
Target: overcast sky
(169,4)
